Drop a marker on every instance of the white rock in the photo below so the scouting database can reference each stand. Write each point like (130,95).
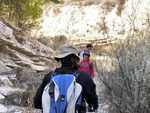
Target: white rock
(3,109)
(3,68)
(81,21)
(1,96)
(6,81)
(8,32)
(8,90)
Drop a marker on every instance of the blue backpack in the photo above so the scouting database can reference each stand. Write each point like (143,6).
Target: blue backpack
(62,94)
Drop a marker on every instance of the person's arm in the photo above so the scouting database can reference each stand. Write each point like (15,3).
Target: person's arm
(81,55)
(92,98)
(92,70)
(38,96)
(89,89)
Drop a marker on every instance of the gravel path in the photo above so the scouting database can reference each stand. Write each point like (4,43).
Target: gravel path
(100,89)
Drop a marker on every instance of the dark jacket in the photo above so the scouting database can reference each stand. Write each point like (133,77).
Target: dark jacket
(84,79)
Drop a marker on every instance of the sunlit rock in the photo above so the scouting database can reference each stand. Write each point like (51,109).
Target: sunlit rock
(107,19)
(3,109)
(6,81)
(9,90)
(3,68)
(18,51)
(8,32)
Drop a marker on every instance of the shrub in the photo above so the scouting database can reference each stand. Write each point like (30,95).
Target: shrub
(128,79)
(125,73)
(53,42)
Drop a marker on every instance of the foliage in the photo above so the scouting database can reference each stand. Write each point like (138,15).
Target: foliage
(23,12)
(58,1)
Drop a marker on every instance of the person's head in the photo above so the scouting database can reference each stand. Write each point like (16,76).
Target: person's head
(86,54)
(68,56)
(89,47)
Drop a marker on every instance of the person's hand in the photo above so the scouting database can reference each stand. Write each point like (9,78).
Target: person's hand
(92,108)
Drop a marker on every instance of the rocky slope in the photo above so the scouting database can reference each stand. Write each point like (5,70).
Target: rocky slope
(99,23)
(19,51)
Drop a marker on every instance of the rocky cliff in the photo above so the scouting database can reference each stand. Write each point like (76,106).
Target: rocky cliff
(21,58)
(99,22)
(17,49)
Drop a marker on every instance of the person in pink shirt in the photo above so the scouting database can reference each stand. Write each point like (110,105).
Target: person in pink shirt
(86,64)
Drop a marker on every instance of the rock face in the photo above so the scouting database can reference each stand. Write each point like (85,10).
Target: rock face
(82,19)
(17,49)
(90,22)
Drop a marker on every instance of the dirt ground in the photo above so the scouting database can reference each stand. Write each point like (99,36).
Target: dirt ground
(102,96)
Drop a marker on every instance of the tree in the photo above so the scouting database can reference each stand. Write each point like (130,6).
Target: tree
(22,12)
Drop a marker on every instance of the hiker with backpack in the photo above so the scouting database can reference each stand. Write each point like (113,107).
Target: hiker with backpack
(88,47)
(65,89)
(86,64)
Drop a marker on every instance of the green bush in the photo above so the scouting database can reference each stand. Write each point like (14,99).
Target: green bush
(22,12)
(25,13)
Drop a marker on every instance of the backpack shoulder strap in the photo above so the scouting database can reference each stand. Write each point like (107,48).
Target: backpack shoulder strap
(53,73)
(90,61)
(76,74)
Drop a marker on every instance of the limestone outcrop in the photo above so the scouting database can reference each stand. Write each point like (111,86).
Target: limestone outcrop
(101,23)
(18,49)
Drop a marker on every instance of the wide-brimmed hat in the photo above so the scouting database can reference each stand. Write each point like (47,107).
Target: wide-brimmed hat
(67,50)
